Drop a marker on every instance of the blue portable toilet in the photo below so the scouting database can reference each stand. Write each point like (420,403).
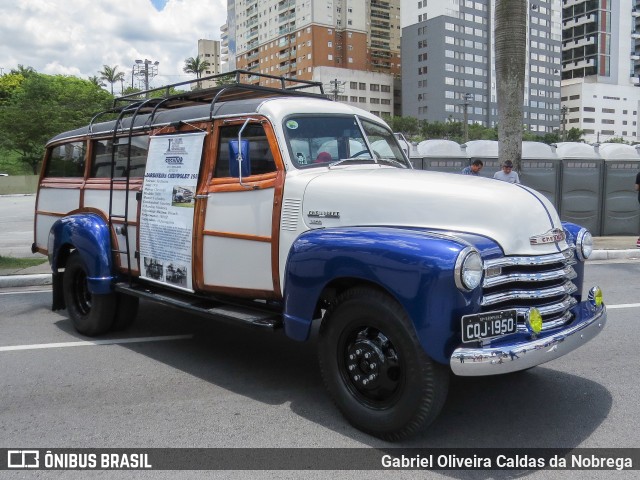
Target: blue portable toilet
(581,185)
(621,215)
(442,156)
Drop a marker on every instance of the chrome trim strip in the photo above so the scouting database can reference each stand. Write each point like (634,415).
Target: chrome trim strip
(546,310)
(567,288)
(562,257)
(566,272)
(511,357)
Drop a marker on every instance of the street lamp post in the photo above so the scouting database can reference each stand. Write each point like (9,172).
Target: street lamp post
(145,70)
(467,100)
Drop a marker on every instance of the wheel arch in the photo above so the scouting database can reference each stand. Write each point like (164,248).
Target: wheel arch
(89,234)
(411,266)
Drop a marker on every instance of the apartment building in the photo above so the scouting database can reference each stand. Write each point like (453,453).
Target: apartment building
(209,51)
(600,68)
(448,67)
(313,40)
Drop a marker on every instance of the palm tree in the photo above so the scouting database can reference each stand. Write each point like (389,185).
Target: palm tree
(111,75)
(24,71)
(510,51)
(97,81)
(195,65)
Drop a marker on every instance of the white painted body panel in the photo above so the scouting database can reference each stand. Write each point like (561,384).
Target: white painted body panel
(371,195)
(236,262)
(53,200)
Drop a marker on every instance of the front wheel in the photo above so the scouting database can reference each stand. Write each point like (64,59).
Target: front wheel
(90,314)
(375,369)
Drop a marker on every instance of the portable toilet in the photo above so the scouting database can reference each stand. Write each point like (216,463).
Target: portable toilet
(541,169)
(621,215)
(581,185)
(442,156)
(487,151)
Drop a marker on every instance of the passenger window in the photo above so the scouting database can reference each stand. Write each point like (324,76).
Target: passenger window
(260,155)
(103,152)
(66,160)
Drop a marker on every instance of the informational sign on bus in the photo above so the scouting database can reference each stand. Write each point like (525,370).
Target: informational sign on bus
(166,220)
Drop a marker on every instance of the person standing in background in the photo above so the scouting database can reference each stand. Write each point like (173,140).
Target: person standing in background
(474,168)
(507,174)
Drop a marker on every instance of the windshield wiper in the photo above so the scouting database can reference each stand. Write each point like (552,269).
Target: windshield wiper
(350,159)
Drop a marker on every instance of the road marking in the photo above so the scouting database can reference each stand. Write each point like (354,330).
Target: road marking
(115,341)
(623,305)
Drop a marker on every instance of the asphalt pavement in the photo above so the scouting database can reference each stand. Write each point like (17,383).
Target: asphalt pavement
(16,237)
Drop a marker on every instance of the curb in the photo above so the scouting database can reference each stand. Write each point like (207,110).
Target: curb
(25,280)
(615,254)
(41,279)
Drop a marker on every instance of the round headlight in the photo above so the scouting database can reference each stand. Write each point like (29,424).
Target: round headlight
(468,270)
(584,244)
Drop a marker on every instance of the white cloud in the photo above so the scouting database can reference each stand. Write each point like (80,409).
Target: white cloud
(78,37)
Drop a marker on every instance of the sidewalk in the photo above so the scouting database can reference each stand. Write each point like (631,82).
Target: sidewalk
(604,248)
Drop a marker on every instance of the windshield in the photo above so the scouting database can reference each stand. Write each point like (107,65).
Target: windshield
(325,140)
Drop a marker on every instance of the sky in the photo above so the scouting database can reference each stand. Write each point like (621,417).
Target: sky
(78,37)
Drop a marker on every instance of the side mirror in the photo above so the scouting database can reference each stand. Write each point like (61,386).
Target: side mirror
(239,161)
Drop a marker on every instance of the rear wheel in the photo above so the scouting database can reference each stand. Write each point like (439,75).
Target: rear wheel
(375,369)
(90,314)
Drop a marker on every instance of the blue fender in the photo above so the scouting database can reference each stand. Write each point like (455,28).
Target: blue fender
(89,234)
(415,266)
(571,230)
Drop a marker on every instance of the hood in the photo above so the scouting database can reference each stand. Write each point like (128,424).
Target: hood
(508,214)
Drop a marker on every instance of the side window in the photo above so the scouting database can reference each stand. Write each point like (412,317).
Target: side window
(102,153)
(256,145)
(66,160)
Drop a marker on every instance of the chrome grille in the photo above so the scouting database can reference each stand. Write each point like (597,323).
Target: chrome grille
(543,281)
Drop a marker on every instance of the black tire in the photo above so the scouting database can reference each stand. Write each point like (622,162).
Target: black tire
(367,331)
(90,314)
(126,312)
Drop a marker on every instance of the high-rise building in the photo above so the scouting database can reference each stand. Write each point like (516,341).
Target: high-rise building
(336,42)
(448,65)
(209,51)
(600,68)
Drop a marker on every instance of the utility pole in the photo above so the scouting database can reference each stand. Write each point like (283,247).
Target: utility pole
(145,70)
(336,87)
(467,100)
(564,122)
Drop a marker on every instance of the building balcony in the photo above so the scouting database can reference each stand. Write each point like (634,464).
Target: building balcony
(286,17)
(287,4)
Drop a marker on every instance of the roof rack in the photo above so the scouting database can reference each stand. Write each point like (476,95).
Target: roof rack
(236,84)
(232,87)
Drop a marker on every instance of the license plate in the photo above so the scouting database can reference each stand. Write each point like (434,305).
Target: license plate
(481,326)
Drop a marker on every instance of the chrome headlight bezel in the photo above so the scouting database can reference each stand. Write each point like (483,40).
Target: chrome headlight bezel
(584,244)
(469,269)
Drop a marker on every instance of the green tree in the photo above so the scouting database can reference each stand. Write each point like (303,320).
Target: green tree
(111,75)
(9,84)
(24,71)
(196,66)
(575,135)
(408,126)
(97,81)
(43,106)
(510,56)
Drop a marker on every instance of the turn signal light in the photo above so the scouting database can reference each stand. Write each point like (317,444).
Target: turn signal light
(595,296)
(534,321)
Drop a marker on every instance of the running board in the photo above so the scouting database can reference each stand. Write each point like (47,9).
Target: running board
(237,314)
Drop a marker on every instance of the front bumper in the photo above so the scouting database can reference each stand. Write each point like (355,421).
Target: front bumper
(512,355)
